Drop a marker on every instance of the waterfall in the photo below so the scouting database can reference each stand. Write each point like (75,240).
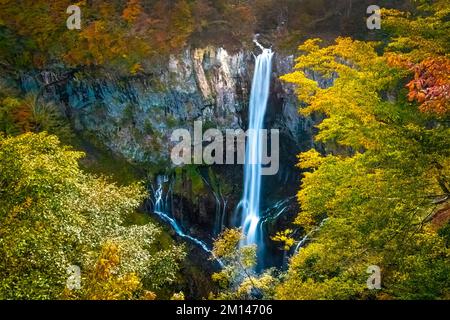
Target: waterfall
(250,203)
(273,212)
(302,241)
(161,210)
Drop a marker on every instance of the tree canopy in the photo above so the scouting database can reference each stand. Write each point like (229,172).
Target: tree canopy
(53,216)
(379,194)
(127,34)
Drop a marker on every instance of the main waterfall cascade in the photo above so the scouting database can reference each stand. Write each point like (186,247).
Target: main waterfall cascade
(250,203)
(252,219)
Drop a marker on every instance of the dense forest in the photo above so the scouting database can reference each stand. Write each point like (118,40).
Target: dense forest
(372,187)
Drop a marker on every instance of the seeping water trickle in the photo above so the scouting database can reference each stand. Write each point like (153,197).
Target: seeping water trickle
(160,209)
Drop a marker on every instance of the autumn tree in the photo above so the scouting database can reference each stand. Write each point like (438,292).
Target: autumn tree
(122,35)
(32,115)
(53,216)
(420,43)
(33,28)
(379,195)
(237,279)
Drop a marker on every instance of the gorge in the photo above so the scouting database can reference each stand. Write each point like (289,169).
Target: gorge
(135,151)
(134,117)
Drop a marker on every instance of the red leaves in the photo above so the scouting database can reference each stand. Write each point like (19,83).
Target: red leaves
(431,85)
(23,117)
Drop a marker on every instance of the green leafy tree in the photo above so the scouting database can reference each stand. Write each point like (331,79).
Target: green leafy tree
(382,185)
(53,216)
(237,279)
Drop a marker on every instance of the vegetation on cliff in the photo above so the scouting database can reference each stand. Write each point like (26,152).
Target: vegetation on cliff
(125,34)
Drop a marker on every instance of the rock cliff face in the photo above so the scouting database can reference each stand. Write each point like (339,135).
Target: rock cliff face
(135,116)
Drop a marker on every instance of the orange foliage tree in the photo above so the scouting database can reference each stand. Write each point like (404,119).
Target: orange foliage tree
(420,44)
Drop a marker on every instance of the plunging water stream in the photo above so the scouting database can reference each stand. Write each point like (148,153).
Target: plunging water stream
(250,203)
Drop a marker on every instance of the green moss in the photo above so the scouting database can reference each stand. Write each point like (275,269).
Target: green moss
(171,121)
(148,127)
(128,114)
(196,179)
(157,85)
(139,218)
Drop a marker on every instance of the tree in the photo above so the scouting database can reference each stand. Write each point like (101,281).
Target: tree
(53,216)
(421,44)
(109,36)
(172,24)
(31,115)
(35,28)
(237,279)
(379,186)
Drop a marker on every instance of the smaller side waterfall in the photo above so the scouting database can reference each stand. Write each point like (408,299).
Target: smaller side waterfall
(276,210)
(161,209)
